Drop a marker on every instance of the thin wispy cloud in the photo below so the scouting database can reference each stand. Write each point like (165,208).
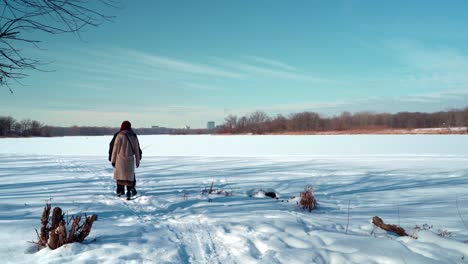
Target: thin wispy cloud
(433,59)
(118,64)
(222,68)
(178,65)
(131,64)
(270,62)
(255,70)
(90,87)
(200,87)
(455,98)
(434,97)
(115,70)
(412,66)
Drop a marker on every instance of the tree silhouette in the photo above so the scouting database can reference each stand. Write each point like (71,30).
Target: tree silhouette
(20,18)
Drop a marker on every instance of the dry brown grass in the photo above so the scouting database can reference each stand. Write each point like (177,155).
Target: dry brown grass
(308,201)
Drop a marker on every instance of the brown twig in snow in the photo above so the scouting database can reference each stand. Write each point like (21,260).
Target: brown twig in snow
(392,228)
(347,224)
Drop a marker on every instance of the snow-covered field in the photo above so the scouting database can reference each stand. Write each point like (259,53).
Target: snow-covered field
(406,180)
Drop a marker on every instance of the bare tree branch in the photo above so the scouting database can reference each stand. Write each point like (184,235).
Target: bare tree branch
(20,17)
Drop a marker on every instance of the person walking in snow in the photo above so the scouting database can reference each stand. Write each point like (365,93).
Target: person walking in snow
(125,154)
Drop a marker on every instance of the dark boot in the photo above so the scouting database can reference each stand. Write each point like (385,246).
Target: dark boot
(129,192)
(134,191)
(120,190)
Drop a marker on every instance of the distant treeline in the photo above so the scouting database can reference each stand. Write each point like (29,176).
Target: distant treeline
(10,127)
(23,128)
(259,122)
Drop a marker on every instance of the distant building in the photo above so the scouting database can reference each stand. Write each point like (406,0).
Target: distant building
(210,125)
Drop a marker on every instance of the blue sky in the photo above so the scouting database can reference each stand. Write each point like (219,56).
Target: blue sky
(176,63)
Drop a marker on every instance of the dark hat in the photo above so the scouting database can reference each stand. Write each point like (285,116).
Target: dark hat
(126,125)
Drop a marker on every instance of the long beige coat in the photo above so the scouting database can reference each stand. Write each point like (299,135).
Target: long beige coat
(124,157)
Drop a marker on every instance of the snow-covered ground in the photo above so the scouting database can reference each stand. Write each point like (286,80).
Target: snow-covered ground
(442,129)
(407,180)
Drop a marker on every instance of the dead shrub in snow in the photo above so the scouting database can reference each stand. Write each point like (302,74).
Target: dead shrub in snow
(213,191)
(54,230)
(308,200)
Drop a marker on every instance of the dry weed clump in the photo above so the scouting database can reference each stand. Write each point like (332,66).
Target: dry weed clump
(308,201)
(426,227)
(54,229)
(213,191)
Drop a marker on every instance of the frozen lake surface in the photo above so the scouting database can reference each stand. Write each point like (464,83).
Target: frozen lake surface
(271,145)
(407,180)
